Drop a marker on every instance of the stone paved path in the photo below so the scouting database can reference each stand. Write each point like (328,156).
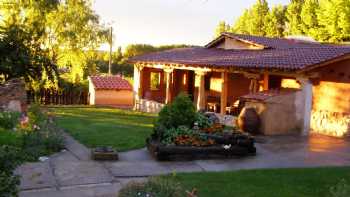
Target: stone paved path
(72,173)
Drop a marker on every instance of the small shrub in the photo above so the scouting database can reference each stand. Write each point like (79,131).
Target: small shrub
(41,136)
(181,112)
(9,184)
(154,187)
(33,146)
(10,158)
(9,120)
(41,142)
(54,140)
(203,121)
(8,137)
(342,189)
(36,115)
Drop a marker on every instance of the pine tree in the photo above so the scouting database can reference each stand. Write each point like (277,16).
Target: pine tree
(275,22)
(293,26)
(334,20)
(222,27)
(309,23)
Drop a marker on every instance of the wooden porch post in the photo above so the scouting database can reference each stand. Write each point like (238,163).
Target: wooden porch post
(137,84)
(266,81)
(254,85)
(201,89)
(168,73)
(224,90)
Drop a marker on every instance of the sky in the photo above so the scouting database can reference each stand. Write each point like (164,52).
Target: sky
(160,22)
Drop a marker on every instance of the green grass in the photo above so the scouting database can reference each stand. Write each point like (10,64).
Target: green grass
(9,138)
(122,129)
(310,182)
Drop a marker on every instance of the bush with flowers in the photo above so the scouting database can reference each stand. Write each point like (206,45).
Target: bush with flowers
(24,137)
(40,135)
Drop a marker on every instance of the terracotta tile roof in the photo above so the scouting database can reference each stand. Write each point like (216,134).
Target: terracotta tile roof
(280,54)
(275,43)
(110,83)
(264,95)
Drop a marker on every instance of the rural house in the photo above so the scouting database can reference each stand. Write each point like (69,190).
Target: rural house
(311,81)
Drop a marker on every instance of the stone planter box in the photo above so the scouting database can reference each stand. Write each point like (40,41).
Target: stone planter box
(104,153)
(173,152)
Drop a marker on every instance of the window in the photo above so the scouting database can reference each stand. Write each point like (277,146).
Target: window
(155,81)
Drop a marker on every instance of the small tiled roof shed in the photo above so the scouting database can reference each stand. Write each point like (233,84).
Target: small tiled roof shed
(110,90)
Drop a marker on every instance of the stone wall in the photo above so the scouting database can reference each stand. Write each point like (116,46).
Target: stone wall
(13,96)
(280,114)
(330,123)
(331,106)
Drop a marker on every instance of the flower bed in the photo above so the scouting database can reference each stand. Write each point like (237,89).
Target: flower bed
(24,138)
(182,133)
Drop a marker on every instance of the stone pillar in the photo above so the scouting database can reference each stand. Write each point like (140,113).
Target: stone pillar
(137,85)
(201,90)
(306,86)
(224,90)
(168,74)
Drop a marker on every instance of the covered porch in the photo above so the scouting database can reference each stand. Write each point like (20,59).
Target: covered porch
(215,90)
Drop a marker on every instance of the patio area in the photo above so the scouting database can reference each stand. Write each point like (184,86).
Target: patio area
(72,173)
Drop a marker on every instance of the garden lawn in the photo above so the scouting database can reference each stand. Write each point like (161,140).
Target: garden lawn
(93,127)
(266,183)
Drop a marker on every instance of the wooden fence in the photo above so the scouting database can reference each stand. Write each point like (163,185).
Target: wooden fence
(58,97)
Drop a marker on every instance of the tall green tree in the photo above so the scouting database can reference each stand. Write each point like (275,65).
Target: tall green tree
(22,32)
(66,29)
(241,26)
(293,26)
(333,18)
(22,58)
(309,22)
(258,13)
(275,22)
(222,27)
(252,20)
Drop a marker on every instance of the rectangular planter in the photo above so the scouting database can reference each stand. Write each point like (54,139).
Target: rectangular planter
(97,154)
(174,152)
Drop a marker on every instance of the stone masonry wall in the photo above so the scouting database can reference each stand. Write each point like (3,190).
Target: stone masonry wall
(330,123)
(13,95)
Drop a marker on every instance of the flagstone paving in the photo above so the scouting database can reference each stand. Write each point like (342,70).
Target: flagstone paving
(73,173)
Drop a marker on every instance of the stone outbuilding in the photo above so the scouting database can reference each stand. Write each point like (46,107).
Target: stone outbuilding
(110,90)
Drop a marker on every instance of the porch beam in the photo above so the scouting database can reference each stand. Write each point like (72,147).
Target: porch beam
(224,91)
(201,90)
(180,67)
(293,74)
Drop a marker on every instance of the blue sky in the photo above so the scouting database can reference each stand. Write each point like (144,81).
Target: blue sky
(159,22)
